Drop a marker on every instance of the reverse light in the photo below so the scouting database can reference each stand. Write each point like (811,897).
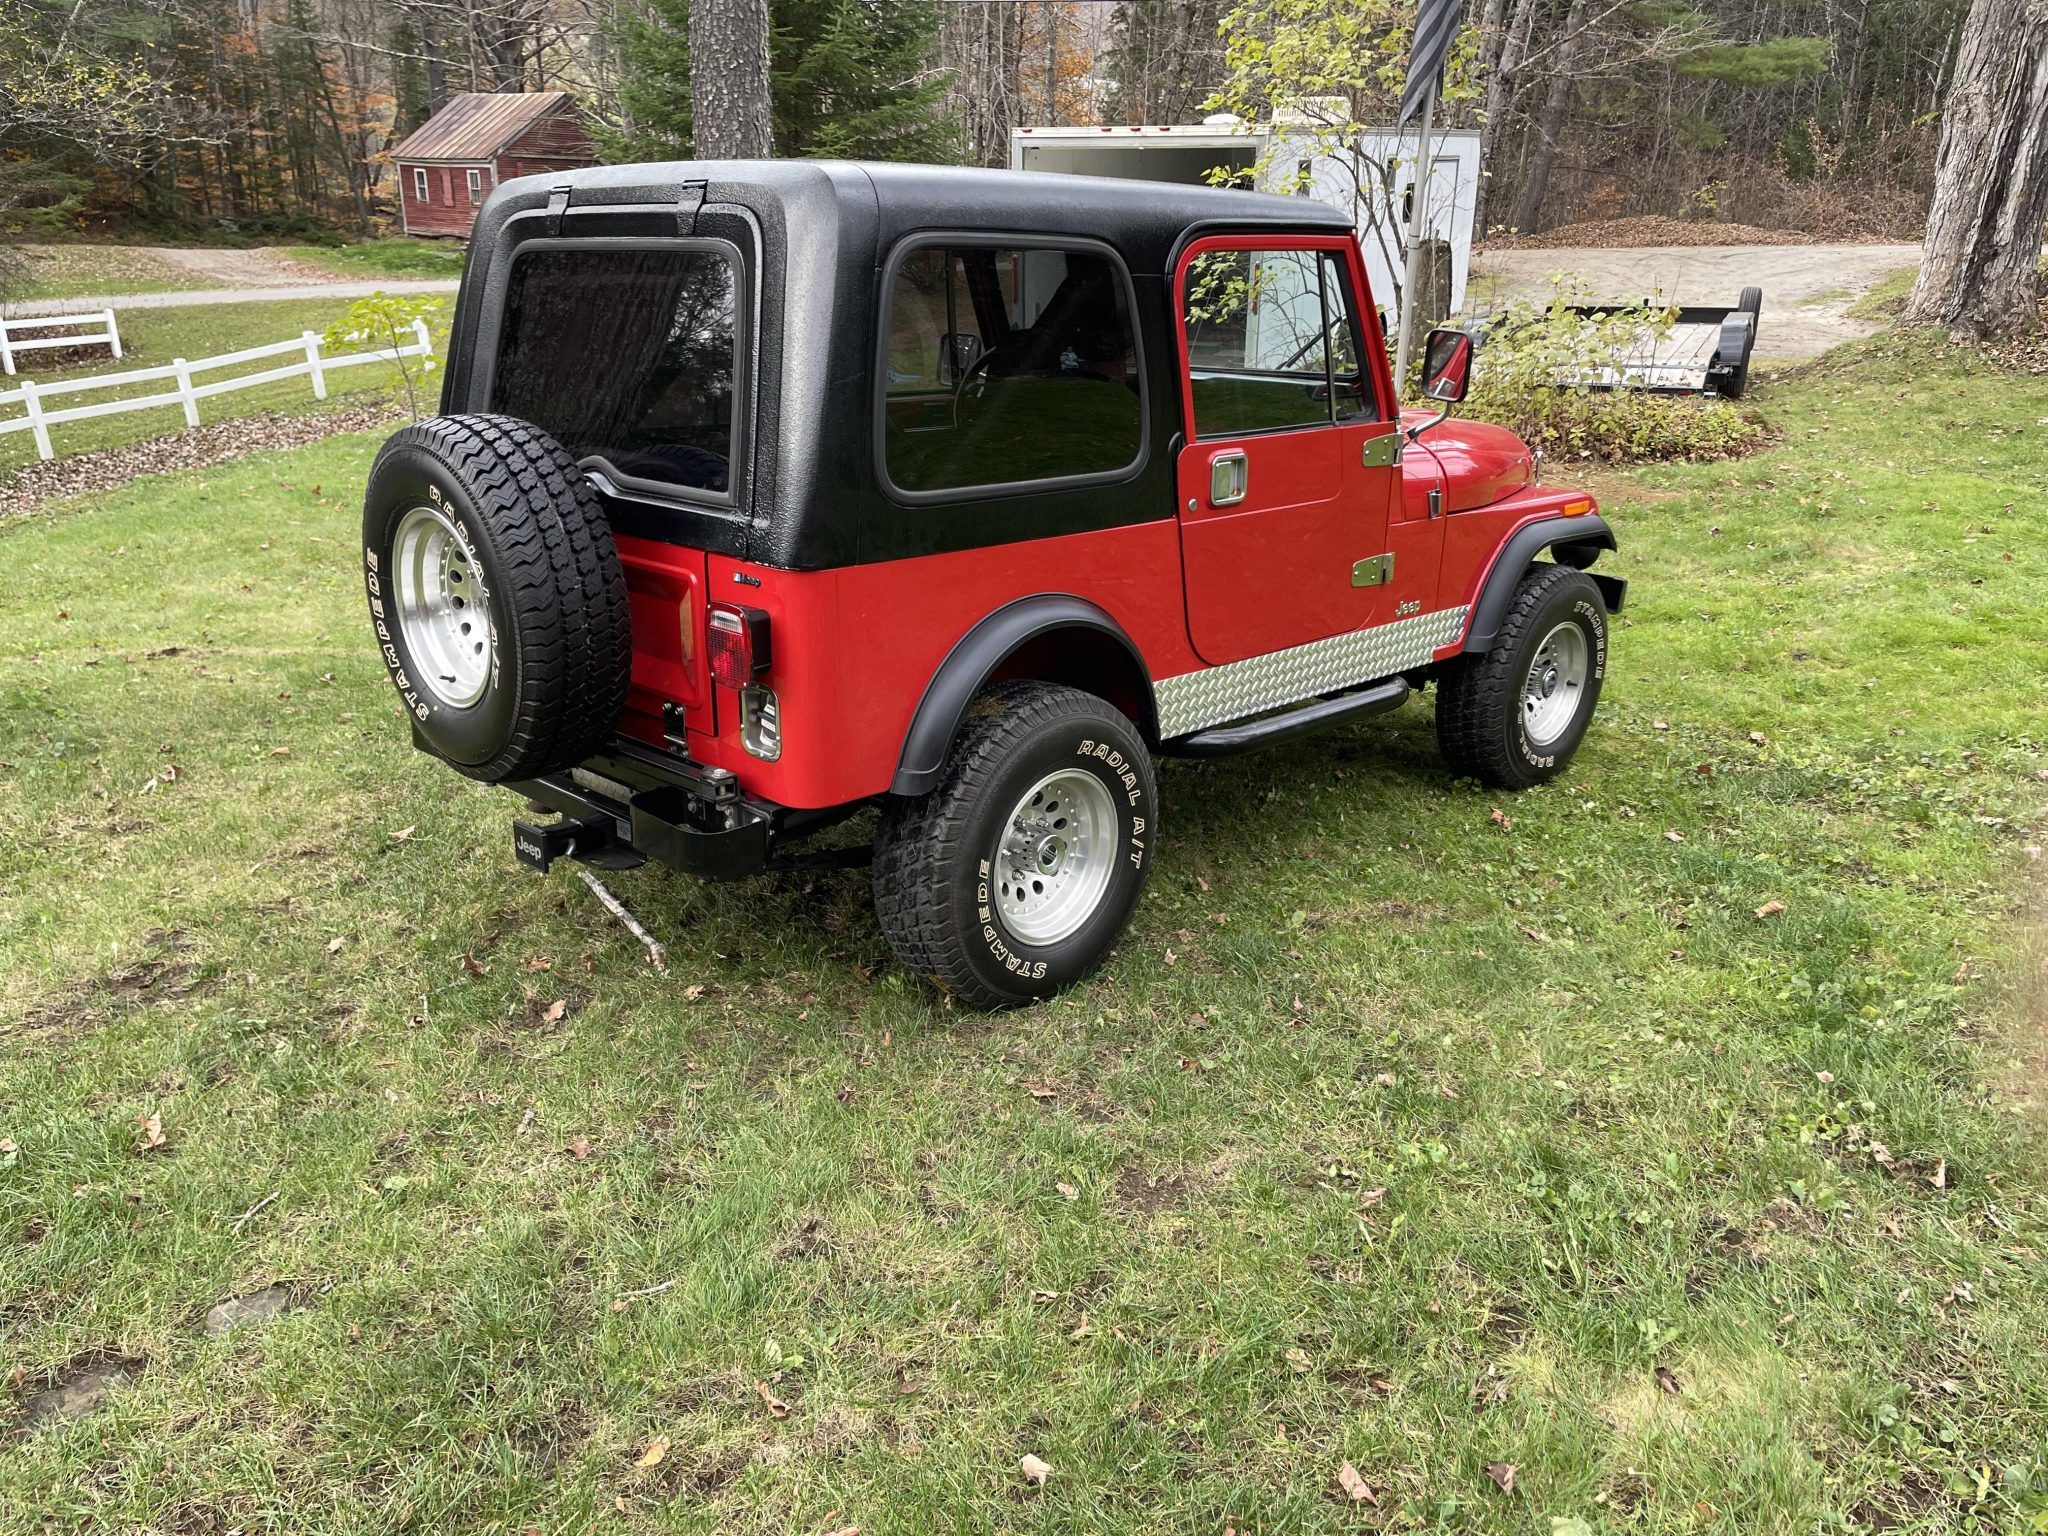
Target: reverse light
(760,723)
(738,648)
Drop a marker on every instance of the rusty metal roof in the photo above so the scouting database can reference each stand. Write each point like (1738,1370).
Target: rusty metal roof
(477,124)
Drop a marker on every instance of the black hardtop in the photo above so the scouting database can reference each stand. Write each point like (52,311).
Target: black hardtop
(816,234)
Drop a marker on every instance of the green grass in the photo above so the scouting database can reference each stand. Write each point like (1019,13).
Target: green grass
(153,337)
(395,257)
(1885,300)
(1411,1125)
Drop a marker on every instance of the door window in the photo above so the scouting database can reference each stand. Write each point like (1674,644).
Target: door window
(1272,342)
(1007,365)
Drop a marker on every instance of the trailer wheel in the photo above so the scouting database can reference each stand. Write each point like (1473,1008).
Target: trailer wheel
(1752,304)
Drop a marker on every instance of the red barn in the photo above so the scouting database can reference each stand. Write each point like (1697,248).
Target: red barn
(448,165)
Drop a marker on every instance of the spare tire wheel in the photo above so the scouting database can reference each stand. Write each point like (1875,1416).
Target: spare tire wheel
(497,596)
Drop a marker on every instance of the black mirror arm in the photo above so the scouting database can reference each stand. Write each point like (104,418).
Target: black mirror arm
(1435,421)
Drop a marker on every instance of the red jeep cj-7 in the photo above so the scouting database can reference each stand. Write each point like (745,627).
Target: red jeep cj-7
(769,492)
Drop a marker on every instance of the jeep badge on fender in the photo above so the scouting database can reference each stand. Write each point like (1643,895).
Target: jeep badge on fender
(723,538)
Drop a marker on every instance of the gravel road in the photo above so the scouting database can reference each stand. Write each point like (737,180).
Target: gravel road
(1807,288)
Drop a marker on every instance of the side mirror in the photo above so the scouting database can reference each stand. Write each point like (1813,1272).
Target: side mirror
(1446,366)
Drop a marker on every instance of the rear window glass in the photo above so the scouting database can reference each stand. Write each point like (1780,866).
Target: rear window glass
(625,356)
(1008,364)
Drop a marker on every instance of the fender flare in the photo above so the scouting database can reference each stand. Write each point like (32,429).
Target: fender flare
(974,659)
(1573,541)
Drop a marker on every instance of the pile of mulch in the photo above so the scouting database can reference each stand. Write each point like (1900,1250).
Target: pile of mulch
(197,448)
(1646,230)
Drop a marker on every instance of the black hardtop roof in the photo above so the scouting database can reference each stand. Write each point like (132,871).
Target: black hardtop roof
(1142,219)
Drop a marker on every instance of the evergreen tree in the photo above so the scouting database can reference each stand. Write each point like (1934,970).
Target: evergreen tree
(847,77)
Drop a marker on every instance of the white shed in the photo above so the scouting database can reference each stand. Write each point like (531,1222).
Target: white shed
(1383,160)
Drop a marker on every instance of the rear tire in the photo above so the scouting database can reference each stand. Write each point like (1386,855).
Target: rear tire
(1014,876)
(1514,716)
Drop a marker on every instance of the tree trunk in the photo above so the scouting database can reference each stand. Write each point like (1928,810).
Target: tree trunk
(729,117)
(1980,263)
(1500,80)
(1551,123)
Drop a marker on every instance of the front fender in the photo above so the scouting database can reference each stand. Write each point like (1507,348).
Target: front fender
(1573,541)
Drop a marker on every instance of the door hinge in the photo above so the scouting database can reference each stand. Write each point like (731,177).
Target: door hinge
(1373,571)
(558,204)
(1384,451)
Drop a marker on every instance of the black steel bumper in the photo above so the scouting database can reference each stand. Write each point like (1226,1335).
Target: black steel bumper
(620,811)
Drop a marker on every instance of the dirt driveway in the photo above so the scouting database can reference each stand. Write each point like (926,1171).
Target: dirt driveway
(1807,288)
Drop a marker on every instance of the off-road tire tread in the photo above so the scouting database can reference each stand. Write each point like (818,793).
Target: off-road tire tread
(1477,694)
(561,580)
(921,835)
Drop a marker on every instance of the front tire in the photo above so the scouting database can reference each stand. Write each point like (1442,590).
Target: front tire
(1514,716)
(1014,876)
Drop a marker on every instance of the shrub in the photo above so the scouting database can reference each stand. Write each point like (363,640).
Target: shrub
(1537,363)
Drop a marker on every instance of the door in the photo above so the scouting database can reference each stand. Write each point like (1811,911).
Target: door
(1283,490)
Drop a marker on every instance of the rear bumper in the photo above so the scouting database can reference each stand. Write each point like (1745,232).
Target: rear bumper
(622,810)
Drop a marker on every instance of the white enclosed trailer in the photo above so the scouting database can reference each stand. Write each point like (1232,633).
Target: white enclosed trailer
(1372,177)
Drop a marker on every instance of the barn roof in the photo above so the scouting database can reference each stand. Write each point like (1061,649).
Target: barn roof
(477,124)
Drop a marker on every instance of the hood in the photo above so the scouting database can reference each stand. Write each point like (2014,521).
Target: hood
(1481,462)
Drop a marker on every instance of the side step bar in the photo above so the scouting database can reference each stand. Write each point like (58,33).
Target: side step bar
(1270,730)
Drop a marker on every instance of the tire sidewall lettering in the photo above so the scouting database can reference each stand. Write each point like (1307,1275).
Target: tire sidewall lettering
(1591,620)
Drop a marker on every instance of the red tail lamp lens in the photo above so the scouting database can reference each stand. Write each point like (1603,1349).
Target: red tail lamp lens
(738,646)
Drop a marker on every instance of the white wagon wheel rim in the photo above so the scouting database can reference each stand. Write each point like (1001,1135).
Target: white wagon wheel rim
(1556,685)
(442,611)
(1054,856)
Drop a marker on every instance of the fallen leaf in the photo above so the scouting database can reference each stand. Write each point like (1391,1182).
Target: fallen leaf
(149,1133)
(471,964)
(1770,909)
(1349,1480)
(280,751)
(554,1011)
(579,1148)
(1939,1178)
(1503,1474)
(1667,1380)
(1033,1468)
(654,1454)
(1068,1190)
(1500,819)
(777,1408)
(1758,737)
(1298,1358)
(1039,1090)
(1371,1198)
(404,834)
(693,991)
(1674,837)
(334,945)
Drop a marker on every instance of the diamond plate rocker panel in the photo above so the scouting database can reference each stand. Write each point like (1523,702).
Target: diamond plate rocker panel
(1240,688)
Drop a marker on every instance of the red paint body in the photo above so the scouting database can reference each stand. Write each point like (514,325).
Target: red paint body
(854,648)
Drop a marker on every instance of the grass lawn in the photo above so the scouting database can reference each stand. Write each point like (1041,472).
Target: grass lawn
(153,337)
(399,256)
(1669,1136)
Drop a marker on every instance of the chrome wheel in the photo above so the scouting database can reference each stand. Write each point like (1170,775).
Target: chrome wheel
(1556,685)
(1054,859)
(441,607)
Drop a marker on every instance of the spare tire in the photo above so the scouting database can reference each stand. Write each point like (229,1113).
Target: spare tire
(497,596)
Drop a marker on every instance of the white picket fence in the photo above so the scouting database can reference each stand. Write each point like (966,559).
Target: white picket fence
(39,418)
(108,334)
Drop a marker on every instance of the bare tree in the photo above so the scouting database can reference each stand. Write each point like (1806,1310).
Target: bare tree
(1981,272)
(729,116)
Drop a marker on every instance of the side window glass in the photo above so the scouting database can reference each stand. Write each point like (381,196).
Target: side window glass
(1271,342)
(1351,390)
(1008,364)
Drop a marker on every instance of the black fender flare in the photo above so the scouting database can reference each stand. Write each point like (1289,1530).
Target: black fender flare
(973,661)
(1573,541)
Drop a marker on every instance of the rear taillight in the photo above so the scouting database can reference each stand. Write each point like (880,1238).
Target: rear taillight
(738,648)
